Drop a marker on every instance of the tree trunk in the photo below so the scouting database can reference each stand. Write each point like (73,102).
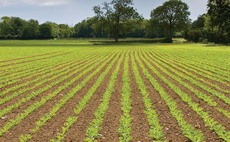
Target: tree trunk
(116,39)
(170,31)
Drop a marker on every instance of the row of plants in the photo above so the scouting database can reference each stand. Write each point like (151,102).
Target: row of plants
(193,81)
(72,92)
(219,129)
(92,132)
(25,58)
(31,69)
(24,84)
(202,69)
(49,77)
(50,73)
(61,78)
(198,76)
(15,69)
(188,130)
(156,132)
(28,72)
(83,103)
(126,119)
(213,65)
(178,77)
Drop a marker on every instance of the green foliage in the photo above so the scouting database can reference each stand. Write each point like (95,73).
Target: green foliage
(188,130)
(194,35)
(17,28)
(172,15)
(214,25)
(82,104)
(84,29)
(48,30)
(192,74)
(118,16)
(125,120)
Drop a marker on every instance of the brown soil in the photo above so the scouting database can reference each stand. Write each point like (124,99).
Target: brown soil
(40,59)
(54,125)
(204,63)
(66,65)
(40,73)
(140,126)
(78,130)
(43,85)
(25,69)
(169,124)
(220,102)
(24,126)
(189,115)
(16,59)
(192,72)
(112,116)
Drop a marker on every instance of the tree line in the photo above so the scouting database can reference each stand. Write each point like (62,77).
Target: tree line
(213,26)
(119,19)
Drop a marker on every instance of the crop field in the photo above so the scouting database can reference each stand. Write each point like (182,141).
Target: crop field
(74,91)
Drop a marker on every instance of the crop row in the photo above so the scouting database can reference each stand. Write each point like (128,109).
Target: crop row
(201,69)
(40,103)
(70,94)
(211,65)
(83,103)
(63,76)
(180,77)
(185,70)
(75,81)
(50,73)
(209,121)
(34,69)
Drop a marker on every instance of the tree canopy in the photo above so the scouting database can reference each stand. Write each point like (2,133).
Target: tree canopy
(219,11)
(119,19)
(172,15)
(118,16)
(213,26)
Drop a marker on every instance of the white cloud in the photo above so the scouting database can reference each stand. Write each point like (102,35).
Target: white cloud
(33,2)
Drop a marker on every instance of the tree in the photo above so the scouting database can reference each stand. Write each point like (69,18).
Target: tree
(64,31)
(219,12)
(12,27)
(154,29)
(84,28)
(31,30)
(199,23)
(49,30)
(4,27)
(118,16)
(173,15)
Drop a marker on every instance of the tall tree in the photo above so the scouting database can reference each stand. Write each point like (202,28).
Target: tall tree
(49,30)
(4,27)
(173,14)
(219,12)
(12,27)
(199,23)
(64,31)
(84,28)
(118,16)
(31,30)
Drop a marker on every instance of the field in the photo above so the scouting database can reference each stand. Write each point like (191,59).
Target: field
(74,91)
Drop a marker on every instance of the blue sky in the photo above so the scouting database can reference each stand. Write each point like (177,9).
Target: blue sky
(73,11)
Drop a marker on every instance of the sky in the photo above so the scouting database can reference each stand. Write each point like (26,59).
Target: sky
(73,11)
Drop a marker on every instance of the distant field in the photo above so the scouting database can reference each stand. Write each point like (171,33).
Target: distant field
(71,90)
